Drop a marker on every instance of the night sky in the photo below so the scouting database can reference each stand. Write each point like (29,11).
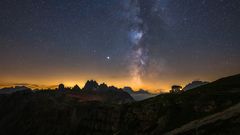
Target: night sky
(149,44)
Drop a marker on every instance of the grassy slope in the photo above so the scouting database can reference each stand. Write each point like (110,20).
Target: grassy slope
(225,122)
(169,111)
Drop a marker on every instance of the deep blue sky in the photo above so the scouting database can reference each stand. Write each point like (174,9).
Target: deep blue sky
(53,41)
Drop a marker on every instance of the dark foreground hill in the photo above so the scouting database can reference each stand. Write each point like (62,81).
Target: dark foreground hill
(222,123)
(206,110)
(167,112)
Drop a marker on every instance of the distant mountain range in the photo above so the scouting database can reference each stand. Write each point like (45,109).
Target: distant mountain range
(92,91)
(140,94)
(131,91)
(209,109)
(194,84)
(11,90)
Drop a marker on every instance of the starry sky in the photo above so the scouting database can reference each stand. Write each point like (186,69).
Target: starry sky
(148,44)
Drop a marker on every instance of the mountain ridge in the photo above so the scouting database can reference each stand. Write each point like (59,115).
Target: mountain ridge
(165,113)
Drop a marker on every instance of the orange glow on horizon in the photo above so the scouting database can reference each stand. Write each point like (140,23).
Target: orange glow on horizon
(70,83)
(154,86)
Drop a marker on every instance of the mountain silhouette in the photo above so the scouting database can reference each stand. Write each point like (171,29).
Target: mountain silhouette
(205,110)
(92,91)
(15,89)
(76,88)
(91,85)
(140,94)
(194,84)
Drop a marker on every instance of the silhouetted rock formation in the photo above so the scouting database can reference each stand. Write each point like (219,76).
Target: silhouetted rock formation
(91,85)
(76,88)
(103,86)
(102,93)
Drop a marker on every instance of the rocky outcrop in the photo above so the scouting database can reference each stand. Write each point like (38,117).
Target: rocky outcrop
(92,91)
(91,85)
(76,88)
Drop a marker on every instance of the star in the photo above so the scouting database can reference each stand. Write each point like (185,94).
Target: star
(108,58)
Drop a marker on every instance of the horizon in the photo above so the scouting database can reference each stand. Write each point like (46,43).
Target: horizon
(152,67)
(81,85)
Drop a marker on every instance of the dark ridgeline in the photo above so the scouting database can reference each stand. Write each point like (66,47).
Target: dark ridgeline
(76,88)
(104,93)
(128,89)
(210,109)
(91,85)
(103,86)
(92,91)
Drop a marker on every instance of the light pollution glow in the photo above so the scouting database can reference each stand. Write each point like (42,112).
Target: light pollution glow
(70,81)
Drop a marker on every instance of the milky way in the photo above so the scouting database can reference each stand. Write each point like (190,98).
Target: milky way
(137,32)
(154,43)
